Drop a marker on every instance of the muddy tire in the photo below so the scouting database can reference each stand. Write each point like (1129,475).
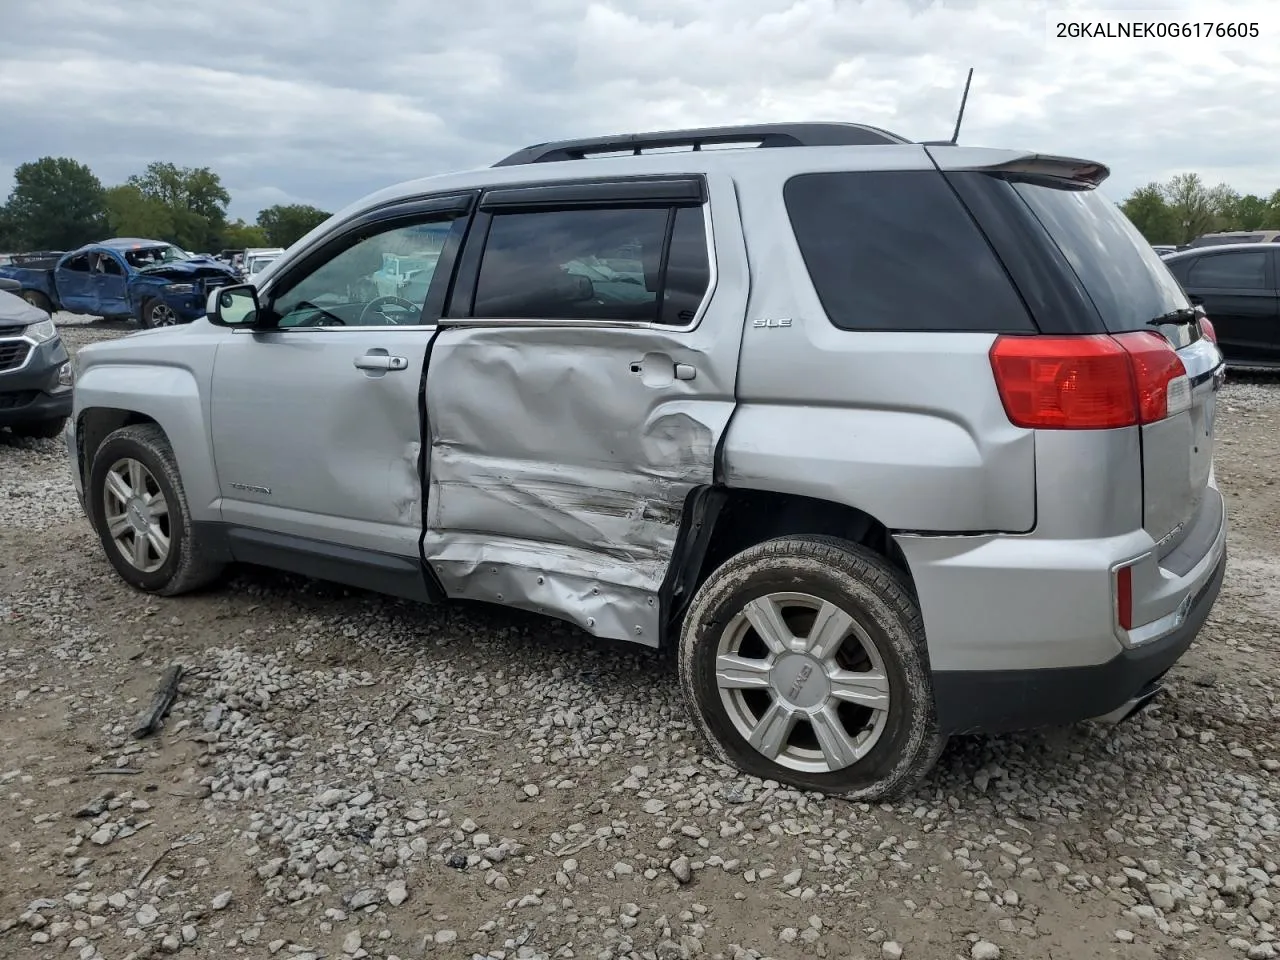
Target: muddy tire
(37,300)
(803,660)
(139,509)
(40,429)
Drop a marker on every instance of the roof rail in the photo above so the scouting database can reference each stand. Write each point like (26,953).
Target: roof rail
(761,135)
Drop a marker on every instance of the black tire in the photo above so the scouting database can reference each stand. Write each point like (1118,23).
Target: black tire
(37,300)
(40,429)
(880,600)
(150,319)
(186,567)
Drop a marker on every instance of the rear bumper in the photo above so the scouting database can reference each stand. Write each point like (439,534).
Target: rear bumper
(996,701)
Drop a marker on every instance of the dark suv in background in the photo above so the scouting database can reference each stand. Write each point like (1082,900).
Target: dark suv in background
(1237,284)
(35,371)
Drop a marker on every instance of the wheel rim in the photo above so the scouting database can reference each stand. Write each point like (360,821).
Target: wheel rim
(163,316)
(137,515)
(803,682)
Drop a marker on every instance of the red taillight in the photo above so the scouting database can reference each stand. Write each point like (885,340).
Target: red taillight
(1088,382)
(1206,329)
(1124,597)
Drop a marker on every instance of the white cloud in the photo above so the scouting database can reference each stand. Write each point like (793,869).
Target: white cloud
(317,100)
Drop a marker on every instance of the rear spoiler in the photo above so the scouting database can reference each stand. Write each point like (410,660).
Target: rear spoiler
(949,158)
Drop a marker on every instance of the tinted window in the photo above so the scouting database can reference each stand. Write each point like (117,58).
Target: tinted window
(688,268)
(579,264)
(380,278)
(1128,283)
(895,250)
(1248,270)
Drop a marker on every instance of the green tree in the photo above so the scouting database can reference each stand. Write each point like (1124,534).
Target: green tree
(1151,215)
(238,235)
(285,223)
(195,197)
(131,213)
(1195,207)
(1248,212)
(57,204)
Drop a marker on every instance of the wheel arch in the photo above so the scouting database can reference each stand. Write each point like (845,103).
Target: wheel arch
(719,522)
(109,397)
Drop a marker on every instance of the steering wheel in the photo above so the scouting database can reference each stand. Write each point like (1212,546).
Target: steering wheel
(377,303)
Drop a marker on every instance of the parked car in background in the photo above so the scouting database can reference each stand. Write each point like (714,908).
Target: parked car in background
(1234,236)
(154,282)
(1239,287)
(255,261)
(35,371)
(891,441)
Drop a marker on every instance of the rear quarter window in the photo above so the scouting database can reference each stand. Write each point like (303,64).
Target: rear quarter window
(1238,271)
(895,250)
(1126,280)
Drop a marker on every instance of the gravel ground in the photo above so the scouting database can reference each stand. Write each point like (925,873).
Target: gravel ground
(345,776)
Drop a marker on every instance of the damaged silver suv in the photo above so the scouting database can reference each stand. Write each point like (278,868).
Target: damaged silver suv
(893,440)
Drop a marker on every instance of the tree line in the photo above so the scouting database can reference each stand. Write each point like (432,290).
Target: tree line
(1185,207)
(58,203)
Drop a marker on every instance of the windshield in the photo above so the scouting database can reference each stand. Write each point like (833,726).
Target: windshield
(1127,281)
(150,256)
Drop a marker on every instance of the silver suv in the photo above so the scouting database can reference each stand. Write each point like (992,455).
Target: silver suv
(893,440)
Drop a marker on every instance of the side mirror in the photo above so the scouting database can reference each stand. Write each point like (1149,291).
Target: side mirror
(9,286)
(235,306)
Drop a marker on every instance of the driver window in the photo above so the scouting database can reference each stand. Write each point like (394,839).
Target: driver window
(381,279)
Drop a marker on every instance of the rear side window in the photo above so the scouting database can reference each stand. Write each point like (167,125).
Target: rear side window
(896,250)
(1127,281)
(647,265)
(1238,270)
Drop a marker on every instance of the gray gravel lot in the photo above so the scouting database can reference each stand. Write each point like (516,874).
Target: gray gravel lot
(346,776)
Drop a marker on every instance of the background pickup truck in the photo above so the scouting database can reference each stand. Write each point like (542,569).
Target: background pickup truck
(149,280)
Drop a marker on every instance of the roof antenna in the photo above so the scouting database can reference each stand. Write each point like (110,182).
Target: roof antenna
(955,135)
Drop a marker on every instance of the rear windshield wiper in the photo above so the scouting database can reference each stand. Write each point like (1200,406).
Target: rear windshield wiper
(1182,315)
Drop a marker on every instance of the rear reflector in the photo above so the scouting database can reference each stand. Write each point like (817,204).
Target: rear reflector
(1092,382)
(1124,597)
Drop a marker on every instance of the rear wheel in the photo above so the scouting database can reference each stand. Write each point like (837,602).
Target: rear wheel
(157,313)
(804,661)
(139,510)
(37,300)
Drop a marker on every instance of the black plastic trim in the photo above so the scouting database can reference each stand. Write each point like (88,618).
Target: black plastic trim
(638,190)
(701,511)
(1001,701)
(766,135)
(356,567)
(1054,295)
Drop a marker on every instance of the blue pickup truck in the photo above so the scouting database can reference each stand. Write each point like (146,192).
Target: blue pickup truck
(151,281)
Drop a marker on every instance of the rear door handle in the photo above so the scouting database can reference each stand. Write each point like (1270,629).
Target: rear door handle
(658,369)
(381,361)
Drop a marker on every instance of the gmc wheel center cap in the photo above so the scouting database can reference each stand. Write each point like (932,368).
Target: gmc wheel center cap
(800,680)
(139,516)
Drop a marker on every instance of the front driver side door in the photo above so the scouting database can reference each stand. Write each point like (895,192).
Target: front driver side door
(315,422)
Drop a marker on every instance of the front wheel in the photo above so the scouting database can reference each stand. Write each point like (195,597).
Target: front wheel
(157,313)
(804,661)
(139,509)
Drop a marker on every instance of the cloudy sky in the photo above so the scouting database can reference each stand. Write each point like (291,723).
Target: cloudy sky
(322,101)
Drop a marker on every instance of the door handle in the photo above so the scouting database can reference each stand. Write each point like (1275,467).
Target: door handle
(658,369)
(381,361)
